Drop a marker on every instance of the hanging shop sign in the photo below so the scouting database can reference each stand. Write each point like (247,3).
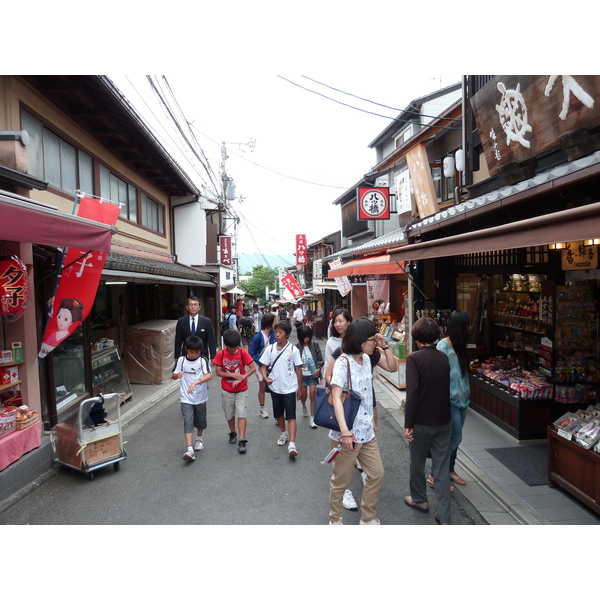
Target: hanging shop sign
(378,294)
(292,285)
(14,288)
(422,181)
(521,116)
(343,284)
(403,196)
(373,203)
(577,256)
(225,250)
(78,281)
(301,256)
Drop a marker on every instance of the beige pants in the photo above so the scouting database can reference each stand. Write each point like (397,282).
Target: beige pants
(343,466)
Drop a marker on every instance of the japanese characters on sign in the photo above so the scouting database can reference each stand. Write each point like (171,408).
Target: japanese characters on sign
(292,285)
(378,294)
(577,256)
(79,280)
(422,181)
(402,182)
(301,256)
(14,288)
(373,203)
(343,284)
(225,250)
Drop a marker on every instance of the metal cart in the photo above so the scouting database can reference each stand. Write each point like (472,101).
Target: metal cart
(90,438)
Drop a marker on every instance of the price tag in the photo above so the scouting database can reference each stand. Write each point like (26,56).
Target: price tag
(565,434)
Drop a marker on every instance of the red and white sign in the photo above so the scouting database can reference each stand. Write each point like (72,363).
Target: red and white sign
(343,283)
(225,249)
(14,288)
(79,280)
(373,203)
(301,250)
(292,285)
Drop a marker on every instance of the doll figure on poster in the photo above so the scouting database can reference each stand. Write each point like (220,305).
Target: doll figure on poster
(70,313)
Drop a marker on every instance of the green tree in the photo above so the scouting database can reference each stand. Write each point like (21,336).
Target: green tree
(262,277)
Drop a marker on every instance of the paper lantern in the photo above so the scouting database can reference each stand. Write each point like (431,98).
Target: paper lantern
(14,288)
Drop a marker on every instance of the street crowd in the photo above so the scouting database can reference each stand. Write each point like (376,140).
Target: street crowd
(257,343)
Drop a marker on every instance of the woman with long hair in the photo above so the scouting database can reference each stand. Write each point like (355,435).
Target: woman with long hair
(360,440)
(454,345)
(340,321)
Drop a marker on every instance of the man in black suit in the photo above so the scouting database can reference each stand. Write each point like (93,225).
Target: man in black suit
(195,324)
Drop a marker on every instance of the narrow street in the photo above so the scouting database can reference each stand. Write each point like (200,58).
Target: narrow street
(154,486)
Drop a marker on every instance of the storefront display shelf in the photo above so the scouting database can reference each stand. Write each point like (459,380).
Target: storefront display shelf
(574,469)
(5,386)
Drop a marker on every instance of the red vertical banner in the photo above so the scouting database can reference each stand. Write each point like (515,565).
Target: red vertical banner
(301,250)
(78,281)
(225,250)
(292,285)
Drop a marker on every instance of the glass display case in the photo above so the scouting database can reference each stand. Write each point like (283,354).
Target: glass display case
(108,373)
(69,371)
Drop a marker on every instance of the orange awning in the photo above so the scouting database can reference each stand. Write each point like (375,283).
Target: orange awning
(372,265)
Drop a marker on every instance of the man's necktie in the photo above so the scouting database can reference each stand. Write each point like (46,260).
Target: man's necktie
(193,327)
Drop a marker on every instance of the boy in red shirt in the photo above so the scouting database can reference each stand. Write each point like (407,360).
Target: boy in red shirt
(232,366)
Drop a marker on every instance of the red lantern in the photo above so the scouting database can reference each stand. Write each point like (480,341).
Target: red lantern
(14,288)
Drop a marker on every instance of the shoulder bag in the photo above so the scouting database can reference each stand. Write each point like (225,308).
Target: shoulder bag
(324,412)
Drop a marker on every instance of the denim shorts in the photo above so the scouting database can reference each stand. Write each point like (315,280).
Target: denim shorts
(308,380)
(194,415)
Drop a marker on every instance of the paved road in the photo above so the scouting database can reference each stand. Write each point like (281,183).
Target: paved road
(263,487)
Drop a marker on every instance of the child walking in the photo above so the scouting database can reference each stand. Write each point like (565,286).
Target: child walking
(281,368)
(312,365)
(193,372)
(231,364)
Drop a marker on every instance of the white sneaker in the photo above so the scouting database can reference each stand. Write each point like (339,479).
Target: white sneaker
(363,476)
(358,465)
(263,413)
(304,410)
(312,423)
(292,449)
(189,455)
(371,522)
(336,522)
(283,439)
(348,501)
(198,445)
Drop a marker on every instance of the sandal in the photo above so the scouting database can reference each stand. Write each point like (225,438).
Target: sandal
(457,479)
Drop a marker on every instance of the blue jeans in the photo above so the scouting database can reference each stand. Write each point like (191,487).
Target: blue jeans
(458,420)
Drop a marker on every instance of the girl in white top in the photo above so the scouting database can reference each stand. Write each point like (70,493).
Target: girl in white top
(340,322)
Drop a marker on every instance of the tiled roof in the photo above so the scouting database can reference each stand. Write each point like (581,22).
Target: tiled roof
(137,264)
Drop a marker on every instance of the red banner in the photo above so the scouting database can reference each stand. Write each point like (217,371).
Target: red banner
(292,285)
(79,281)
(301,255)
(225,248)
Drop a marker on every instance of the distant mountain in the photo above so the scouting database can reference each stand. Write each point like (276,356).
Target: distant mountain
(247,261)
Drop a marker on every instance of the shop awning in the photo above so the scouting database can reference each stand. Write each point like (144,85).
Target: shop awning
(27,221)
(382,264)
(568,225)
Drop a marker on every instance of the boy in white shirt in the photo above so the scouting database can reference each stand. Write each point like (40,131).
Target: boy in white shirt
(281,368)
(193,371)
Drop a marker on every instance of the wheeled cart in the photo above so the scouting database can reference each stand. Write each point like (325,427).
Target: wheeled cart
(91,438)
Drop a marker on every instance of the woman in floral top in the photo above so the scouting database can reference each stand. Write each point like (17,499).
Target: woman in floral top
(359,342)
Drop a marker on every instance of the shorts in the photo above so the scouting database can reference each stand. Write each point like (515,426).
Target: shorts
(284,404)
(247,340)
(309,380)
(234,404)
(257,372)
(194,416)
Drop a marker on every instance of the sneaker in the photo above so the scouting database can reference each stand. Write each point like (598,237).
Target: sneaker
(371,522)
(283,439)
(242,446)
(232,437)
(263,413)
(358,465)
(189,455)
(198,445)
(336,522)
(292,450)
(363,476)
(348,501)
(305,410)
(312,423)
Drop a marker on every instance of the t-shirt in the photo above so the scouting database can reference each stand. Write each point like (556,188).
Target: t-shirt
(192,371)
(285,379)
(257,318)
(299,316)
(308,362)
(233,363)
(232,318)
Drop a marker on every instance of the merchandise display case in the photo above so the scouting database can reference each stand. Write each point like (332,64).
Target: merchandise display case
(108,373)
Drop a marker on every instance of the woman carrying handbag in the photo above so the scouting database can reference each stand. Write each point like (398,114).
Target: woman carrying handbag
(359,441)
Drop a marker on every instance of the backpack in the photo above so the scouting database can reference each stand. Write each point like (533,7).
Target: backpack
(224,324)
(247,327)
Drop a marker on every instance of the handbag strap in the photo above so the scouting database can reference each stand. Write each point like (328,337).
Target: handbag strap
(349,373)
(273,363)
